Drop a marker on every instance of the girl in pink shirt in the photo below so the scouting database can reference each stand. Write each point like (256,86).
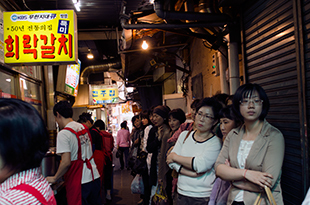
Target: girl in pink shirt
(123,144)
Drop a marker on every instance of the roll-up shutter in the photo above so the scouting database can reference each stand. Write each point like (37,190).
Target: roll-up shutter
(270,61)
(306,30)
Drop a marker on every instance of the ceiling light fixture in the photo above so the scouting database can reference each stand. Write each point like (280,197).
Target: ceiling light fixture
(77,5)
(90,55)
(145,45)
(129,89)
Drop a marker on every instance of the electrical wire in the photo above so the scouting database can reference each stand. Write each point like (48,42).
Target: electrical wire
(26,5)
(142,77)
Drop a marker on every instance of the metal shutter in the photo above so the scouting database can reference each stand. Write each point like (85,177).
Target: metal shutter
(306,31)
(270,61)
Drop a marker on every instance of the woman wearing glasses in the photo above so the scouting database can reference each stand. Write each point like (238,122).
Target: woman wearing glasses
(194,155)
(255,150)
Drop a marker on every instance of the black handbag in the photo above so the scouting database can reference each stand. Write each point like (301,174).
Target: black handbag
(132,157)
(140,165)
(118,153)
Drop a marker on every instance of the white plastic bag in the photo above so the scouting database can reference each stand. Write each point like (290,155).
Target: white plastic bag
(137,186)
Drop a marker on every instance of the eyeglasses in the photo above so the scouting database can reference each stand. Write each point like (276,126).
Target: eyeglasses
(246,102)
(206,116)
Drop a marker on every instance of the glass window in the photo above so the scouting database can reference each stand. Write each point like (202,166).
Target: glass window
(7,88)
(30,93)
(31,71)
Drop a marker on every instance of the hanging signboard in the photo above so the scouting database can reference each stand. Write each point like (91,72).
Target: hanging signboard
(105,94)
(72,79)
(40,37)
(68,79)
(126,108)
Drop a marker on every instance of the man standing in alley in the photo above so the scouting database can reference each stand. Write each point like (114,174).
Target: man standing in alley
(77,164)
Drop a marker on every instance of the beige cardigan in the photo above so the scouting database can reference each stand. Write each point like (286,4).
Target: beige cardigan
(266,155)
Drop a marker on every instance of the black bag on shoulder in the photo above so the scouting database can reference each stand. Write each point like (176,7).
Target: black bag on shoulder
(140,165)
(132,157)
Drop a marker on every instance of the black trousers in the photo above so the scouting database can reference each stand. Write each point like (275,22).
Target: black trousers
(238,203)
(91,193)
(107,174)
(125,151)
(147,188)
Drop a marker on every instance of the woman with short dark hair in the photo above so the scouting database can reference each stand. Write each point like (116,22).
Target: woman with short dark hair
(194,155)
(176,118)
(23,144)
(255,150)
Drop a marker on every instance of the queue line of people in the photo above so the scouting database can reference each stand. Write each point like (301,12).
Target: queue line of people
(226,155)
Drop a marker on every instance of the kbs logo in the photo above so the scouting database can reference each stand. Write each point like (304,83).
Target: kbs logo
(16,17)
(38,17)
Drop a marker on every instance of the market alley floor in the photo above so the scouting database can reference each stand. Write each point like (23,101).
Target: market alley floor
(121,186)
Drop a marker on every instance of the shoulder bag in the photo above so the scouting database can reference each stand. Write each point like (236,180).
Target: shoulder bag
(269,195)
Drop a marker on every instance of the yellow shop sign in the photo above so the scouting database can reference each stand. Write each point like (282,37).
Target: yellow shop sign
(40,37)
(105,94)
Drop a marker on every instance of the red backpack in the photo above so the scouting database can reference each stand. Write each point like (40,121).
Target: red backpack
(108,142)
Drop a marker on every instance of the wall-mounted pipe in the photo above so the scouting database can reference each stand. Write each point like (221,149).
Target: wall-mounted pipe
(109,66)
(189,6)
(222,67)
(233,64)
(170,26)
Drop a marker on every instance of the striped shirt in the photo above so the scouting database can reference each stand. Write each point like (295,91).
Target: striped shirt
(31,177)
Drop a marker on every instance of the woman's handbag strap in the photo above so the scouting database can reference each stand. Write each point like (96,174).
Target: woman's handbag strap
(269,195)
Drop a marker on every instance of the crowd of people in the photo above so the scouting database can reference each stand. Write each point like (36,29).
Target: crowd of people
(226,153)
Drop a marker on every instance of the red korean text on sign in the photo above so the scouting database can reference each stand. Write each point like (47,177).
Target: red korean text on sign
(28,49)
(62,40)
(10,47)
(30,44)
(48,51)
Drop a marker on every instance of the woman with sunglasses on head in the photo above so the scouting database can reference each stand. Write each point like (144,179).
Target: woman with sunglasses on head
(194,155)
(255,150)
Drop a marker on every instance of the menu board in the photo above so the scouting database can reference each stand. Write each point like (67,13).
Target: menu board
(68,79)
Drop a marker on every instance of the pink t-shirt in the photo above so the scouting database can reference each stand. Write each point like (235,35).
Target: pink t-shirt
(123,138)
